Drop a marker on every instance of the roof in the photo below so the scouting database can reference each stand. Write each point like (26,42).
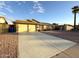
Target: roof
(9,22)
(33,21)
(24,22)
(68,25)
(43,23)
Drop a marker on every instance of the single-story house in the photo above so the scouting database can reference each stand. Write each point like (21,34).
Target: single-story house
(3,25)
(31,26)
(66,27)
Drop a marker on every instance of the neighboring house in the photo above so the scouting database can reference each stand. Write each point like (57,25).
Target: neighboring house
(3,25)
(66,27)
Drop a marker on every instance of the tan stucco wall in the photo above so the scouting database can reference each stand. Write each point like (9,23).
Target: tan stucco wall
(37,27)
(21,27)
(32,28)
(0,28)
(41,28)
(4,28)
(45,27)
(69,28)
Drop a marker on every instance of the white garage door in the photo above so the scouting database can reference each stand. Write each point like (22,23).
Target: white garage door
(22,27)
(32,28)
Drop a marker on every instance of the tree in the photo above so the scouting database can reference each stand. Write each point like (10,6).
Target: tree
(75,10)
(54,24)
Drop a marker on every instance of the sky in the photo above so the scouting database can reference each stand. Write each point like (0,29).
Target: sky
(44,11)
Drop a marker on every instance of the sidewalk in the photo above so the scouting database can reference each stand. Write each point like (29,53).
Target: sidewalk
(39,45)
(72,52)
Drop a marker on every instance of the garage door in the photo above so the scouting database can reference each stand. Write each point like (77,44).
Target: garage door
(32,28)
(22,27)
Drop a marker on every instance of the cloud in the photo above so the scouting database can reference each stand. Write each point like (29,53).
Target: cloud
(4,6)
(9,9)
(2,14)
(20,2)
(37,7)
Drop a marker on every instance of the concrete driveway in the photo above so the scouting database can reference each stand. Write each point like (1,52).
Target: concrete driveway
(39,45)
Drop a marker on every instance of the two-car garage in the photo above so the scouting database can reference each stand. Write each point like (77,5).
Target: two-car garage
(25,26)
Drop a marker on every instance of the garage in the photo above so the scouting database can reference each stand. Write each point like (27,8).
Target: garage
(22,28)
(32,28)
(25,26)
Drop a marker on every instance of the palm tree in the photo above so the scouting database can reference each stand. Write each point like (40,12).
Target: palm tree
(75,10)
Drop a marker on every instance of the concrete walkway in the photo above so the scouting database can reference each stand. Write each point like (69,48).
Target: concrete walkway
(39,45)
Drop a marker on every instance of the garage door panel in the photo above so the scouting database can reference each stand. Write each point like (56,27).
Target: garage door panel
(32,28)
(22,28)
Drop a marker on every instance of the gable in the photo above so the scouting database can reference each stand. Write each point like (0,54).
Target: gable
(2,20)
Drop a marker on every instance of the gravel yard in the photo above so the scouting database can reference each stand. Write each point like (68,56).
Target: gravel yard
(73,36)
(8,45)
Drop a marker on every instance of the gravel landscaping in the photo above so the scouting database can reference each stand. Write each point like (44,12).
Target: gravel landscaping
(8,45)
(73,36)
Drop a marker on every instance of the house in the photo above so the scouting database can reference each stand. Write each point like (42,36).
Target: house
(66,27)
(3,25)
(31,26)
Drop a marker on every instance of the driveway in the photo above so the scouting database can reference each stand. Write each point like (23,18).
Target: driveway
(39,45)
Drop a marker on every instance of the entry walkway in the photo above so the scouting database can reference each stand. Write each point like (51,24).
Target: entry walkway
(39,45)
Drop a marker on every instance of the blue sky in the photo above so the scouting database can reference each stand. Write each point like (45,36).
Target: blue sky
(45,11)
